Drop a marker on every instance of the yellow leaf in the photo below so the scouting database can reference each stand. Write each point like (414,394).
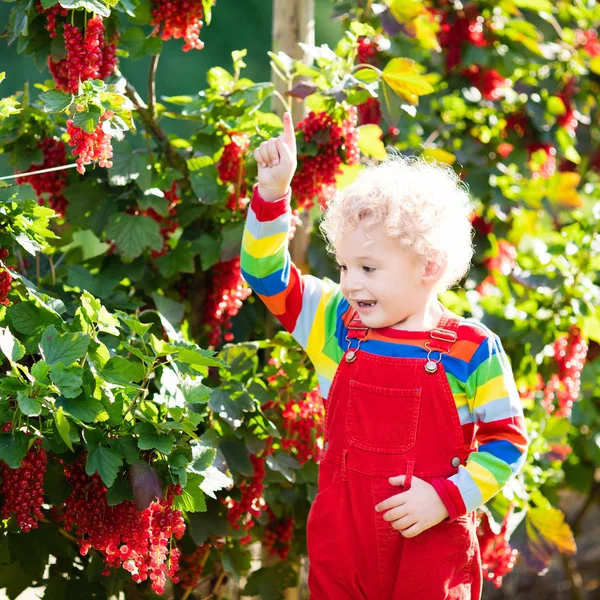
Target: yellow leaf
(439,155)
(562,189)
(406,10)
(369,141)
(403,76)
(550,522)
(426,32)
(595,65)
(348,175)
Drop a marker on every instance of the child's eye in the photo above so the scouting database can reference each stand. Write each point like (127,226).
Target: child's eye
(368,269)
(340,267)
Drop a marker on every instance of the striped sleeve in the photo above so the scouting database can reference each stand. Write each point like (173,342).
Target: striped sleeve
(496,408)
(305,305)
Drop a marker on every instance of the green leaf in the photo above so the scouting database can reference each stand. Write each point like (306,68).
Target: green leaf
(150,439)
(126,446)
(285,464)
(65,348)
(63,427)
(83,409)
(237,456)
(236,561)
(133,234)
(179,260)
(270,583)
(123,371)
(192,499)
(29,406)
(40,371)
(230,407)
(199,357)
(105,462)
(56,487)
(94,6)
(56,101)
(202,525)
(535,5)
(203,457)
(120,491)
(29,318)
(205,186)
(10,345)
(4,551)
(68,380)
(133,323)
(13,447)
(88,119)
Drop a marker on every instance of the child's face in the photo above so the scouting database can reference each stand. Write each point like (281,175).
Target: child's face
(382,281)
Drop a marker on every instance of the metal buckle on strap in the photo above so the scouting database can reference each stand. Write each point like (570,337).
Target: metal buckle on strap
(443,335)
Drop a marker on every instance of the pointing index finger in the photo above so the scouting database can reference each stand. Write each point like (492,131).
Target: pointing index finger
(288,132)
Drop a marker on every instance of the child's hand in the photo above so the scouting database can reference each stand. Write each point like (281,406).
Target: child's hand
(414,511)
(276,159)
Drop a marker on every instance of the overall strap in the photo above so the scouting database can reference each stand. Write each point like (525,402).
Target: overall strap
(444,334)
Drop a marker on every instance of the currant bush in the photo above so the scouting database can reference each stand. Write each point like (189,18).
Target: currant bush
(241,514)
(91,147)
(227,291)
(88,56)
(23,488)
(139,542)
(5,280)
(179,19)
(48,187)
(497,557)
(316,175)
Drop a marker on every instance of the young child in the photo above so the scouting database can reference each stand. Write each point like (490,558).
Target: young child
(423,419)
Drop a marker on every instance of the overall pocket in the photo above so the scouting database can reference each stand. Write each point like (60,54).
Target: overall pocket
(382,419)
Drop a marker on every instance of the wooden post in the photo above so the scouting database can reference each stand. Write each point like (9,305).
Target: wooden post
(294,22)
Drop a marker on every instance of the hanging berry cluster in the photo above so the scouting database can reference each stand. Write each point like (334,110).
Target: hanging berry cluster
(139,542)
(48,187)
(179,19)
(192,567)
(227,291)
(51,14)
(168,224)
(91,147)
(504,262)
(562,390)
(277,539)
(232,169)
(369,112)
(23,488)
(303,422)
(5,280)
(89,56)
(336,143)
(497,557)
(242,513)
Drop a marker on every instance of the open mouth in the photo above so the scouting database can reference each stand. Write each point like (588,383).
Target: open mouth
(365,304)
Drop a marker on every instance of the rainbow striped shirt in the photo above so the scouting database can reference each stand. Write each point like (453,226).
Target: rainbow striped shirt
(477,367)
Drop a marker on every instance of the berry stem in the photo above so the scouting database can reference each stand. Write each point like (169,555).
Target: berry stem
(152,77)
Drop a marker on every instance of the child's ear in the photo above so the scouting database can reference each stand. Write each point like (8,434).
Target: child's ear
(434,270)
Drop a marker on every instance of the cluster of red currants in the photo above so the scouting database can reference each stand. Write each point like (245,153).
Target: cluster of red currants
(225,296)
(192,567)
(303,421)
(139,542)
(168,223)
(504,262)
(91,147)
(48,187)
(51,14)
(88,56)
(179,19)
(562,390)
(277,539)
(5,280)
(497,557)
(337,143)
(23,488)
(232,169)
(241,513)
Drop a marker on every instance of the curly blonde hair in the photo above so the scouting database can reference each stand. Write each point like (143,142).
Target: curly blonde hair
(423,206)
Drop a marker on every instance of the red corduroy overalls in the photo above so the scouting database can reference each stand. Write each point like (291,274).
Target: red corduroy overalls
(387,417)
